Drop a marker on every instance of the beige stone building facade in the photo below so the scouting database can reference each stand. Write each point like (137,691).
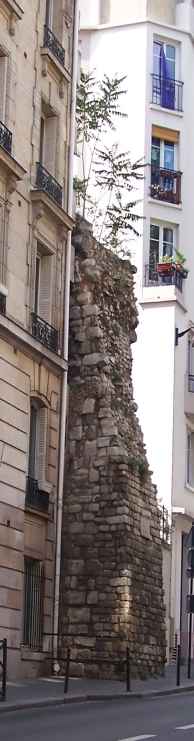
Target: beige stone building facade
(37,48)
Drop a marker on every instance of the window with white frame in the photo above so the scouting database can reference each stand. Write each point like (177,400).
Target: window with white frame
(37,441)
(54,17)
(162,242)
(43,284)
(190,459)
(163,51)
(164,154)
(191,363)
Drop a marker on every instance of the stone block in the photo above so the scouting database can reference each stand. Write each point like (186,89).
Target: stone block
(95,358)
(92,598)
(88,406)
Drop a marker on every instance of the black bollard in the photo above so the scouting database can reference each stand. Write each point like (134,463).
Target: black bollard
(128,674)
(178,666)
(67,672)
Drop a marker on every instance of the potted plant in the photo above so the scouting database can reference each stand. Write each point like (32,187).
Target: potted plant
(168,265)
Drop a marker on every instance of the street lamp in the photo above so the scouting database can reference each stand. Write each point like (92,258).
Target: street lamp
(181,334)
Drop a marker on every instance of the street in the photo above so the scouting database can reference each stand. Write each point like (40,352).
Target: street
(137,720)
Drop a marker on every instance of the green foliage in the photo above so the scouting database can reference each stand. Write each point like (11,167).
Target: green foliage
(104,190)
(177,259)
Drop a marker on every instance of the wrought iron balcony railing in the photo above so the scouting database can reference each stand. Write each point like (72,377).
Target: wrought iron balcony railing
(52,43)
(5,138)
(46,182)
(191,383)
(44,333)
(165,185)
(36,499)
(167,93)
(172,278)
(165,528)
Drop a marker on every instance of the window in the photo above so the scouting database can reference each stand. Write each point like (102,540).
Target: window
(37,442)
(3,85)
(191,363)
(163,154)
(54,18)
(48,139)
(164,55)
(165,179)
(162,242)
(33,603)
(43,284)
(190,458)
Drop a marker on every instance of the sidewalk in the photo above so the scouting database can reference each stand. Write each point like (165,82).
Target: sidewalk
(50,691)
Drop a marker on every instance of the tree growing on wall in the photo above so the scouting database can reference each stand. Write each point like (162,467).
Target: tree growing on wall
(105,191)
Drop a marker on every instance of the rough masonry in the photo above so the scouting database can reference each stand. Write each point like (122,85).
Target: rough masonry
(111,572)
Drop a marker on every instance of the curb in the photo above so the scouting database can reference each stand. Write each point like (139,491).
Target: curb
(73,699)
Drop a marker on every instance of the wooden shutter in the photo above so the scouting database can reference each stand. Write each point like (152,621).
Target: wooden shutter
(3,78)
(41,443)
(45,291)
(50,143)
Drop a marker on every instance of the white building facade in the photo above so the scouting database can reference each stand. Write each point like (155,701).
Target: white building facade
(151,42)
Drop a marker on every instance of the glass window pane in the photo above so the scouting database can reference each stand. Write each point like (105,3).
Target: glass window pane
(168,242)
(169,155)
(156,57)
(154,232)
(170,58)
(155,152)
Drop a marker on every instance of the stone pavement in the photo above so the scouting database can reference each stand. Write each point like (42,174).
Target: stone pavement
(50,691)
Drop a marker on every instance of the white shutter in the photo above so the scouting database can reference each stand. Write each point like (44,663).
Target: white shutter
(50,144)
(45,290)
(3,76)
(41,443)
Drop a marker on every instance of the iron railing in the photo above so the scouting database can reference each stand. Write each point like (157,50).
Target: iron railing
(5,138)
(167,93)
(191,383)
(46,182)
(44,332)
(33,603)
(2,304)
(165,529)
(36,499)
(52,43)
(3,668)
(172,278)
(165,185)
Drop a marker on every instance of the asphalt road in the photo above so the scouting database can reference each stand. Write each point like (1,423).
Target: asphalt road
(162,718)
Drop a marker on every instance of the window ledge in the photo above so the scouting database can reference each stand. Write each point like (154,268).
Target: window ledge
(162,294)
(39,196)
(49,61)
(15,170)
(45,486)
(156,107)
(165,203)
(14,8)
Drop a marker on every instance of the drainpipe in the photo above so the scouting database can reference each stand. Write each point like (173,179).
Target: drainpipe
(66,331)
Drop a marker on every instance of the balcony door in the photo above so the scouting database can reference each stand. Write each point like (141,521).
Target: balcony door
(164,74)
(162,243)
(163,166)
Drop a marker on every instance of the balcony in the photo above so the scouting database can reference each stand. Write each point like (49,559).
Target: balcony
(165,185)
(35,499)
(52,43)
(44,333)
(172,277)
(46,182)
(5,138)
(167,93)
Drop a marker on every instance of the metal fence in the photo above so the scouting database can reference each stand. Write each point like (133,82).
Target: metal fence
(3,669)
(33,605)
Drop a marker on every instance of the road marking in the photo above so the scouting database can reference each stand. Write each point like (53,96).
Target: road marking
(138,738)
(184,728)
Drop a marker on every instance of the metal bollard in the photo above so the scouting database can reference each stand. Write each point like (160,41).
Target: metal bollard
(178,665)
(128,674)
(67,672)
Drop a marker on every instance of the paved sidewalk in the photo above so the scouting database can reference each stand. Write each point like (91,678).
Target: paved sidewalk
(50,691)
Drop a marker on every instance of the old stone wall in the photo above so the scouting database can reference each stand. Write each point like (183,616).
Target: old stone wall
(111,573)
